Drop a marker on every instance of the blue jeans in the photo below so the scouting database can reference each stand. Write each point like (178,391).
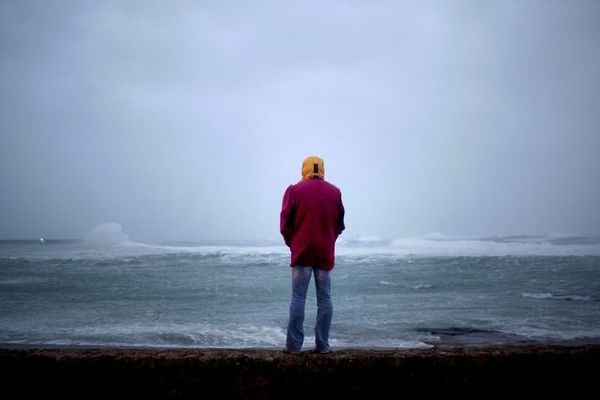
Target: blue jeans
(295,331)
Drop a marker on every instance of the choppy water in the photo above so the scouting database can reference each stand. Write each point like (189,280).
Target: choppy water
(404,293)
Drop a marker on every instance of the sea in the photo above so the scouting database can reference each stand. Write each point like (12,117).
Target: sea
(108,290)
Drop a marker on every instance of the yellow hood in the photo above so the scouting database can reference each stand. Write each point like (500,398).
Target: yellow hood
(313,166)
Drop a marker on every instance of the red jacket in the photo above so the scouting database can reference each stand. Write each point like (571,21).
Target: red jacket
(312,217)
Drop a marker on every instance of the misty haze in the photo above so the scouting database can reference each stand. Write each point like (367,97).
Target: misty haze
(184,122)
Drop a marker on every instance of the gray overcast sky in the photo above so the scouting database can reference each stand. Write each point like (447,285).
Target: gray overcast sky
(186,120)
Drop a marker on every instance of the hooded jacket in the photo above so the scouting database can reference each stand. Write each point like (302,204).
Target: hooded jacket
(312,217)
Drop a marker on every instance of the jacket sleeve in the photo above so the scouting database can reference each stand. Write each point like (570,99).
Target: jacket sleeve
(286,218)
(341,212)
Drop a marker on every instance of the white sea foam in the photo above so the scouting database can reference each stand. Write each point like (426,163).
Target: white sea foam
(422,286)
(161,335)
(109,240)
(551,296)
(106,234)
(193,335)
(443,245)
(537,295)
(381,343)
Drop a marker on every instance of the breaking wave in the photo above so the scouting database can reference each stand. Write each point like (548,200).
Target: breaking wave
(436,244)
(550,296)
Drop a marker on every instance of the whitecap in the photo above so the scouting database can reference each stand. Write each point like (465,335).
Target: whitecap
(551,296)
(422,286)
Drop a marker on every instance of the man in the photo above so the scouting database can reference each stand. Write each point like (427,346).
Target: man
(312,217)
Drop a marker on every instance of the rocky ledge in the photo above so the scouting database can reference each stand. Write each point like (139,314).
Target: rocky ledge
(439,372)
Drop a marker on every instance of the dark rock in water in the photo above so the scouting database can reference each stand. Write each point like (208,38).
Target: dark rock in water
(441,372)
(470,336)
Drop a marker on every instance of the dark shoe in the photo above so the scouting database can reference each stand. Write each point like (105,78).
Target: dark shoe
(322,351)
(292,352)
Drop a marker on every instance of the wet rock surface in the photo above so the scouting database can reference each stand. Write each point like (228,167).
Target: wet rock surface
(440,372)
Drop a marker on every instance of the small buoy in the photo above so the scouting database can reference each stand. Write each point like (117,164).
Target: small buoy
(42,240)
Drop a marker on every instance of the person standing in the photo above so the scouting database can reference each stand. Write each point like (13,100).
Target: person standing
(311,219)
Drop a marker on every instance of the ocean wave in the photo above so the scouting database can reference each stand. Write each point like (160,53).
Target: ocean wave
(128,251)
(505,332)
(196,335)
(414,287)
(163,335)
(115,244)
(26,280)
(548,333)
(373,344)
(422,286)
(108,233)
(550,296)
(443,245)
